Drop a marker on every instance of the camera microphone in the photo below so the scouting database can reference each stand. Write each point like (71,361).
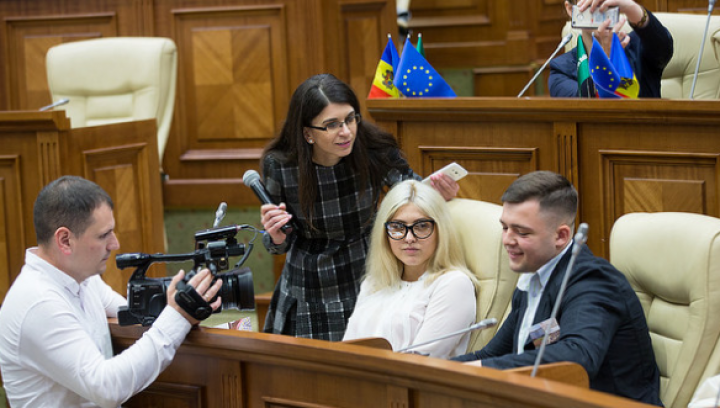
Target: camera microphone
(251,178)
(220,214)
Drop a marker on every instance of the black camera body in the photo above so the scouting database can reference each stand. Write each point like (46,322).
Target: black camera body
(147,297)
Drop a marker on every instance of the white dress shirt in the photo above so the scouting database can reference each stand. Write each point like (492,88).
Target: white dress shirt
(55,347)
(534,285)
(417,312)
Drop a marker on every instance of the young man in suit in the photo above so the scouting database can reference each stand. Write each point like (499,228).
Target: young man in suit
(600,323)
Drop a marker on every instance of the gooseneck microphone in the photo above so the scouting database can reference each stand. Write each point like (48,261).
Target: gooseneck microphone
(579,240)
(563,42)
(711,5)
(482,324)
(54,104)
(220,214)
(251,178)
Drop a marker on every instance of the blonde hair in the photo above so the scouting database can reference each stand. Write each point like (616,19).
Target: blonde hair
(382,268)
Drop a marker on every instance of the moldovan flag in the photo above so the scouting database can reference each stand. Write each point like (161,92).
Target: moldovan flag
(382,85)
(415,77)
(629,86)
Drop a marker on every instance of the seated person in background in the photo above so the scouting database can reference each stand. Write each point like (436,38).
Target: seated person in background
(648,47)
(416,287)
(55,348)
(601,323)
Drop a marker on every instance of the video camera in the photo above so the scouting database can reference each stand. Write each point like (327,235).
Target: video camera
(147,296)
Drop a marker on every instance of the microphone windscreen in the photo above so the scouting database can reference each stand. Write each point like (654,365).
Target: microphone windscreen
(250,176)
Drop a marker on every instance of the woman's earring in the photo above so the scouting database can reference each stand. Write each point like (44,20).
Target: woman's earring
(310,140)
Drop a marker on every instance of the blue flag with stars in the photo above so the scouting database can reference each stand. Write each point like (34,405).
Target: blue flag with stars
(603,73)
(416,78)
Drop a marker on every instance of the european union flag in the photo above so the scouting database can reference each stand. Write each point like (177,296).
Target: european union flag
(415,77)
(603,73)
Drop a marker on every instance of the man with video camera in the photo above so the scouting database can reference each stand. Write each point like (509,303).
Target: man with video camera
(55,347)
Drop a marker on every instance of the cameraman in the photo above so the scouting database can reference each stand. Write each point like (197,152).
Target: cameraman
(55,347)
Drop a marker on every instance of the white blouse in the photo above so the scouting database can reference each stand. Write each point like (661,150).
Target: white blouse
(416,312)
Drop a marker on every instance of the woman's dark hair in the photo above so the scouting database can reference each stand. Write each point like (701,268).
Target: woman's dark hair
(67,202)
(370,158)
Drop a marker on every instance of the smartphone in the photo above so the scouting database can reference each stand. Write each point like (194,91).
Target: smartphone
(586,19)
(454,170)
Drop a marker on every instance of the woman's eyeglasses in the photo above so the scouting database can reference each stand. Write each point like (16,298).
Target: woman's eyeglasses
(334,127)
(421,229)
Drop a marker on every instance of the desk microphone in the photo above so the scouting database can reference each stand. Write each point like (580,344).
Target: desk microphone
(482,324)
(563,42)
(220,214)
(251,178)
(711,5)
(579,240)
(54,104)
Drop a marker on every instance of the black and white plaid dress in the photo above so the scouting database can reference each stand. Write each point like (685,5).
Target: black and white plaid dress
(320,281)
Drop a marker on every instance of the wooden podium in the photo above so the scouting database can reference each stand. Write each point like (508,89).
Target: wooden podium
(38,147)
(230,368)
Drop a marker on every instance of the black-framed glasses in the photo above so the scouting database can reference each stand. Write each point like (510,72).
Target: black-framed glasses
(337,125)
(421,229)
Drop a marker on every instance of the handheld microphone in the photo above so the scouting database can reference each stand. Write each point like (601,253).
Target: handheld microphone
(579,240)
(482,324)
(711,5)
(251,178)
(220,214)
(54,104)
(563,42)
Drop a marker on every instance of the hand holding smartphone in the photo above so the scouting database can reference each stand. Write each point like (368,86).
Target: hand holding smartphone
(586,19)
(454,170)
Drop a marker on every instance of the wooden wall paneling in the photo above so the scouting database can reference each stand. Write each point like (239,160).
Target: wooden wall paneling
(462,33)
(30,38)
(12,239)
(664,167)
(233,90)
(121,158)
(362,27)
(490,169)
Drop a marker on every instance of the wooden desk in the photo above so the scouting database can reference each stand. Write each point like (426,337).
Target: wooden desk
(622,155)
(38,147)
(224,368)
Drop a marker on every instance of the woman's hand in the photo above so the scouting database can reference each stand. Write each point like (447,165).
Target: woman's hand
(273,217)
(445,185)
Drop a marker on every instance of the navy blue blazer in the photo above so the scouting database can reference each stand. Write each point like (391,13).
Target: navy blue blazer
(648,52)
(602,328)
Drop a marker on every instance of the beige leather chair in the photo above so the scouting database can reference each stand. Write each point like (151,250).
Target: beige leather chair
(687,31)
(478,224)
(672,260)
(117,79)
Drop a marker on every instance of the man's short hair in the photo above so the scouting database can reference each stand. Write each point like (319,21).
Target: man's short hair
(67,202)
(554,192)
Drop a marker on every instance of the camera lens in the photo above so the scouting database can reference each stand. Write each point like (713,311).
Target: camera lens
(237,290)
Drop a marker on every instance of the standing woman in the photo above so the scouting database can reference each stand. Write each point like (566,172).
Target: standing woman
(417,287)
(326,170)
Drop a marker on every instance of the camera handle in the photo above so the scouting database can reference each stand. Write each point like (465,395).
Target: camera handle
(191,302)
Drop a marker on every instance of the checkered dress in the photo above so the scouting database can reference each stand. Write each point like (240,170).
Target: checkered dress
(320,281)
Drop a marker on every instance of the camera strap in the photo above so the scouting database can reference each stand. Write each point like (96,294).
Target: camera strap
(191,302)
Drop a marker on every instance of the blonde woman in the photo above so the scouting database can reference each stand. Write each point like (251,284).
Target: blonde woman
(417,287)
